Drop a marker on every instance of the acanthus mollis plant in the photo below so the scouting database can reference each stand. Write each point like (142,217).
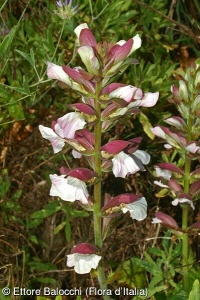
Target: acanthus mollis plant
(102,104)
(181,181)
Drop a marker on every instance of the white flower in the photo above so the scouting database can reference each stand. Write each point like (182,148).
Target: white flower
(68,124)
(159,183)
(143,156)
(126,93)
(136,43)
(137,209)
(166,174)
(158,132)
(148,100)
(56,141)
(83,263)
(69,189)
(78,29)
(193,148)
(182,200)
(89,59)
(124,164)
(168,146)
(76,154)
(56,72)
(64,128)
(156,221)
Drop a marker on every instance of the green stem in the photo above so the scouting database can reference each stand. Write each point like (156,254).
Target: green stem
(97,190)
(185,210)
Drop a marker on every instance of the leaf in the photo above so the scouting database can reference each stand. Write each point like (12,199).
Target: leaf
(153,290)
(30,58)
(49,210)
(146,125)
(130,273)
(34,239)
(195,292)
(16,111)
(157,252)
(162,193)
(7,41)
(79,213)
(34,223)
(183,295)
(59,228)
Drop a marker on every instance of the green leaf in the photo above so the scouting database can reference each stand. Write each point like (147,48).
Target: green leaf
(146,125)
(30,58)
(59,228)
(16,111)
(34,223)
(34,239)
(162,193)
(7,41)
(130,273)
(195,292)
(183,295)
(79,213)
(153,290)
(49,210)
(157,252)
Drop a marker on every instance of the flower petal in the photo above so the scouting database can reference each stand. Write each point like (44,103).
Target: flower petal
(165,219)
(83,263)
(143,156)
(68,124)
(137,209)
(183,200)
(126,93)
(56,141)
(148,100)
(89,59)
(68,189)
(56,72)
(79,28)
(123,164)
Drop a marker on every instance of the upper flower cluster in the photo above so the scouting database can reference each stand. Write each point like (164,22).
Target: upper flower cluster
(103,59)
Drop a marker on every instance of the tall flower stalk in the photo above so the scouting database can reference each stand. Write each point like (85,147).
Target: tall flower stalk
(182,180)
(102,105)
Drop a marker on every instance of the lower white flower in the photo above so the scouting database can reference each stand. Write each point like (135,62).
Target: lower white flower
(69,189)
(137,209)
(83,263)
